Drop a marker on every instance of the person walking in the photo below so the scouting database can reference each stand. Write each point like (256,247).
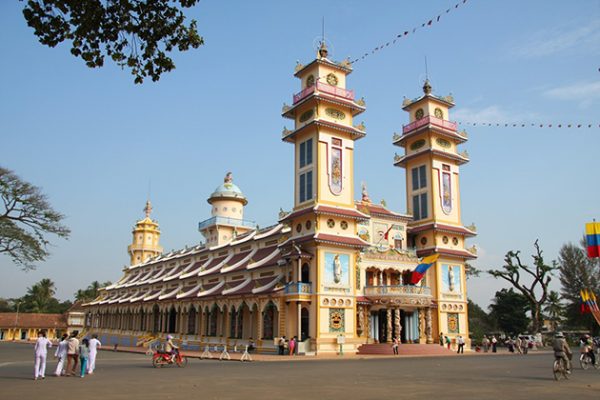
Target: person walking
(84,354)
(72,356)
(61,354)
(395,346)
(525,345)
(292,346)
(494,344)
(442,339)
(448,341)
(518,344)
(94,346)
(42,344)
(485,343)
(281,345)
(461,344)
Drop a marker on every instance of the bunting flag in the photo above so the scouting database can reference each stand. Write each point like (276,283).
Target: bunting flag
(425,264)
(592,236)
(589,304)
(405,33)
(528,124)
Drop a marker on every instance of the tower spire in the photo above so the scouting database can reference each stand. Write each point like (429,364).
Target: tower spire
(148,208)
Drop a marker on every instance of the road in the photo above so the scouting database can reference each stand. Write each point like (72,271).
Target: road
(131,376)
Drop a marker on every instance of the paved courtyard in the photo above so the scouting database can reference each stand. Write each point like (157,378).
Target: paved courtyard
(131,376)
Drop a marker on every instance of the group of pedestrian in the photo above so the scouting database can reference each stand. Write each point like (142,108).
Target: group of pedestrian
(488,343)
(520,345)
(69,349)
(287,347)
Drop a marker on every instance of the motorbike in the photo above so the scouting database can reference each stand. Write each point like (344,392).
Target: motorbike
(162,358)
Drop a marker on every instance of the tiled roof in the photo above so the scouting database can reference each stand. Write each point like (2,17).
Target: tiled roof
(32,320)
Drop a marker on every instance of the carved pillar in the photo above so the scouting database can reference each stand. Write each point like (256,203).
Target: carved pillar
(397,325)
(388,336)
(422,334)
(428,327)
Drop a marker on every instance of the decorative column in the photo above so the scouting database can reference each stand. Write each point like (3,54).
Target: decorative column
(299,320)
(397,325)
(428,327)
(388,336)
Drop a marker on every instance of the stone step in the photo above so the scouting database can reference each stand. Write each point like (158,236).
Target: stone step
(404,349)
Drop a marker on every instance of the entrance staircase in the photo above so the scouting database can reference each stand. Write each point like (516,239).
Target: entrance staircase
(405,349)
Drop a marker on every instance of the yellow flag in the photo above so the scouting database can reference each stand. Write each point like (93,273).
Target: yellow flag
(430,259)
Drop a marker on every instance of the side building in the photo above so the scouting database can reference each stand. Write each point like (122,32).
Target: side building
(332,270)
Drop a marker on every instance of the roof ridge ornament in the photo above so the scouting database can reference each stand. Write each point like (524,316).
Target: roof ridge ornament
(148,208)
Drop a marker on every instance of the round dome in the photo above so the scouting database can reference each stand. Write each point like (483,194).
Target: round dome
(228,191)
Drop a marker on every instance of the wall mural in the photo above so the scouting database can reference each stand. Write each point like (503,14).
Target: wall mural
(453,323)
(446,193)
(451,278)
(335,166)
(337,270)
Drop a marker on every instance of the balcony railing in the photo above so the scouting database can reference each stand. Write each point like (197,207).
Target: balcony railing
(298,288)
(398,290)
(325,88)
(442,123)
(226,221)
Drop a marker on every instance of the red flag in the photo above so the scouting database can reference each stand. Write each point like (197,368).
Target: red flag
(430,21)
(387,233)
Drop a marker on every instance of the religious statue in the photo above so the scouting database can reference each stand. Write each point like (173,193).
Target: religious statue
(336,176)
(337,269)
(228,178)
(451,278)
(365,194)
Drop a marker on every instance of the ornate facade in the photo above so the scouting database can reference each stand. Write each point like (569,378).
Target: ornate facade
(332,269)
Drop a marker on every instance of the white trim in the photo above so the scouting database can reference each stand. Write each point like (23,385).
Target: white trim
(264,260)
(233,289)
(211,290)
(216,267)
(244,260)
(269,233)
(172,276)
(194,272)
(245,239)
(184,294)
(268,285)
(171,293)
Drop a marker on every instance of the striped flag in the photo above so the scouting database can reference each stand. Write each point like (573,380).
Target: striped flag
(419,272)
(592,235)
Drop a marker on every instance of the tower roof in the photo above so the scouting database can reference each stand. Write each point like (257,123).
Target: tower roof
(448,101)
(228,191)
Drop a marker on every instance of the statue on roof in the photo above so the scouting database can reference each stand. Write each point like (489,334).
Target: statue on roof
(228,178)
(148,208)
(365,194)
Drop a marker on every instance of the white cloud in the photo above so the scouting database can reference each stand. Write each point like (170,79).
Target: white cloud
(492,114)
(558,39)
(577,91)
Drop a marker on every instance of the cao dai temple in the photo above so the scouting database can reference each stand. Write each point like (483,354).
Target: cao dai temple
(331,270)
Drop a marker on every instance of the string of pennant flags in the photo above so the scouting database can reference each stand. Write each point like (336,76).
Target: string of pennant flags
(405,33)
(528,125)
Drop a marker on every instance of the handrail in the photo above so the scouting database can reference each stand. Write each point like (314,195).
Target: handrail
(325,88)
(442,123)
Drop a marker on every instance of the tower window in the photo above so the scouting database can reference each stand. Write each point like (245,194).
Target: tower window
(306,153)
(306,191)
(419,177)
(420,206)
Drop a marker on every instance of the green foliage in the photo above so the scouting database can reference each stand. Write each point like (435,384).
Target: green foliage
(509,311)
(471,271)
(7,305)
(539,276)
(554,309)
(576,272)
(25,218)
(40,299)
(479,322)
(91,292)
(135,34)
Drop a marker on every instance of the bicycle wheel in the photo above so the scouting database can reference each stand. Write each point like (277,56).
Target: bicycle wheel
(182,362)
(156,362)
(584,361)
(556,370)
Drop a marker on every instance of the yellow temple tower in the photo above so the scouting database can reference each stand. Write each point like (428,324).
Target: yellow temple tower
(432,161)
(323,244)
(146,235)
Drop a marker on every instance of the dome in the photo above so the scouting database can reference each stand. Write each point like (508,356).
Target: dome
(228,191)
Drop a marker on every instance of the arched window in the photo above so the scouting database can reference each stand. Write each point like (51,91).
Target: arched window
(268,321)
(305,278)
(156,319)
(191,329)
(212,331)
(172,328)
(304,321)
(232,322)
(142,320)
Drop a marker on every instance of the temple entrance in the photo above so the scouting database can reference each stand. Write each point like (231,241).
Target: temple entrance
(172,320)
(382,328)
(304,320)
(156,318)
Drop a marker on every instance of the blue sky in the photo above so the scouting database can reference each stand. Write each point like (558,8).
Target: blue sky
(93,140)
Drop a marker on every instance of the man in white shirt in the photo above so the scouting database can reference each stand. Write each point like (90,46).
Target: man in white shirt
(42,345)
(94,346)
(61,354)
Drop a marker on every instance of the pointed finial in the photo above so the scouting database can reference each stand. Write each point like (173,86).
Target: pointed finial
(323,52)
(427,87)
(148,208)
(365,193)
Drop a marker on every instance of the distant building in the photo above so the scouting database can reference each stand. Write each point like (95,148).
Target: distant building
(331,266)
(25,326)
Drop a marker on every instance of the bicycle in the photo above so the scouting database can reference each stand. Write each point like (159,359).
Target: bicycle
(585,360)
(560,369)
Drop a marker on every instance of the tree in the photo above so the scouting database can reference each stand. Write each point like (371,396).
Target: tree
(25,219)
(7,305)
(554,309)
(91,292)
(536,292)
(135,34)
(576,272)
(479,321)
(509,311)
(39,297)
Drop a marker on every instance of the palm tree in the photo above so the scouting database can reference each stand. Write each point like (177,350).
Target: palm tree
(554,309)
(39,296)
(91,292)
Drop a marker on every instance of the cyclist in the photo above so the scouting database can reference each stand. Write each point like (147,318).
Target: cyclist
(587,347)
(562,350)
(170,347)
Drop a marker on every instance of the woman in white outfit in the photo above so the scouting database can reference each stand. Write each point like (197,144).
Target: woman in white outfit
(61,354)
(94,346)
(42,345)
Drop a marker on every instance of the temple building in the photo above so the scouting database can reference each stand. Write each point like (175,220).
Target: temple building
(333,270)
